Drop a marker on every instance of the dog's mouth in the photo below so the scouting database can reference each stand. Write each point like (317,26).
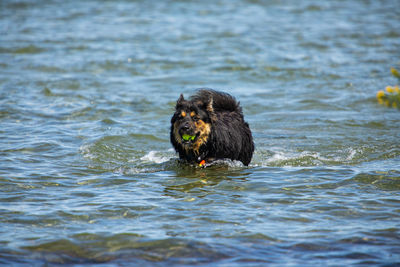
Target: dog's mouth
(189,139)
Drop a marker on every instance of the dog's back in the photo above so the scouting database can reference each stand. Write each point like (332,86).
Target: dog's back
(220,101)
(231,136)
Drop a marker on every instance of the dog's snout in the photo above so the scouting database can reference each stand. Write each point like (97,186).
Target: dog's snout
(185,126)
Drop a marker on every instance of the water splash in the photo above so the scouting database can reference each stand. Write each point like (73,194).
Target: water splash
(157,156)
(281,157)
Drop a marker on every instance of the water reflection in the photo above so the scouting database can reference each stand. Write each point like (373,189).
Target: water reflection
(192,179)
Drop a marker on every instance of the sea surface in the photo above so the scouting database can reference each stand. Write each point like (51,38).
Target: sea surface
(88,175)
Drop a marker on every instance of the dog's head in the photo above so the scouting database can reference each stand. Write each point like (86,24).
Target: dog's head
(191,122)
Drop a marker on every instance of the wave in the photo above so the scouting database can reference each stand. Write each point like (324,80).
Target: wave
(283,158)
(88,248)
(116,152)
(157,156)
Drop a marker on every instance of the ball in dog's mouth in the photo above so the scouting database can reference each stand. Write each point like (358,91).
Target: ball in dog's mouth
(187,138)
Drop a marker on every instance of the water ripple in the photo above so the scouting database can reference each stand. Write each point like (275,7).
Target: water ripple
(87,171)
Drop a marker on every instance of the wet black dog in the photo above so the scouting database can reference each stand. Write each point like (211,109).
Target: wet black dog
(210,126)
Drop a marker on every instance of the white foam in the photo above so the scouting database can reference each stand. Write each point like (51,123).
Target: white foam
(156,157)
(85,150)
(227,162)
(279,157)
(352,153)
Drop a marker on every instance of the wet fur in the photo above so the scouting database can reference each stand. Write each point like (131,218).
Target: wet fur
(216,119)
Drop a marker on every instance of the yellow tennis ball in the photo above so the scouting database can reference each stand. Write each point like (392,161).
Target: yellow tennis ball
(187,137)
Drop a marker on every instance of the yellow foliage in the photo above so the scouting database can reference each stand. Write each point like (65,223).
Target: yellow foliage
(389,89)
(380,94)
(395,72)
(390,98)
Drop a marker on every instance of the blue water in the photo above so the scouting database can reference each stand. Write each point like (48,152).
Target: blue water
(87,173)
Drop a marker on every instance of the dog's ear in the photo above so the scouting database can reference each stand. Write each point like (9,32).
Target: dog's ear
(180,101)
(210,109)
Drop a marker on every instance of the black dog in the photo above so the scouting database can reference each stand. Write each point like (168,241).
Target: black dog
(210,126)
